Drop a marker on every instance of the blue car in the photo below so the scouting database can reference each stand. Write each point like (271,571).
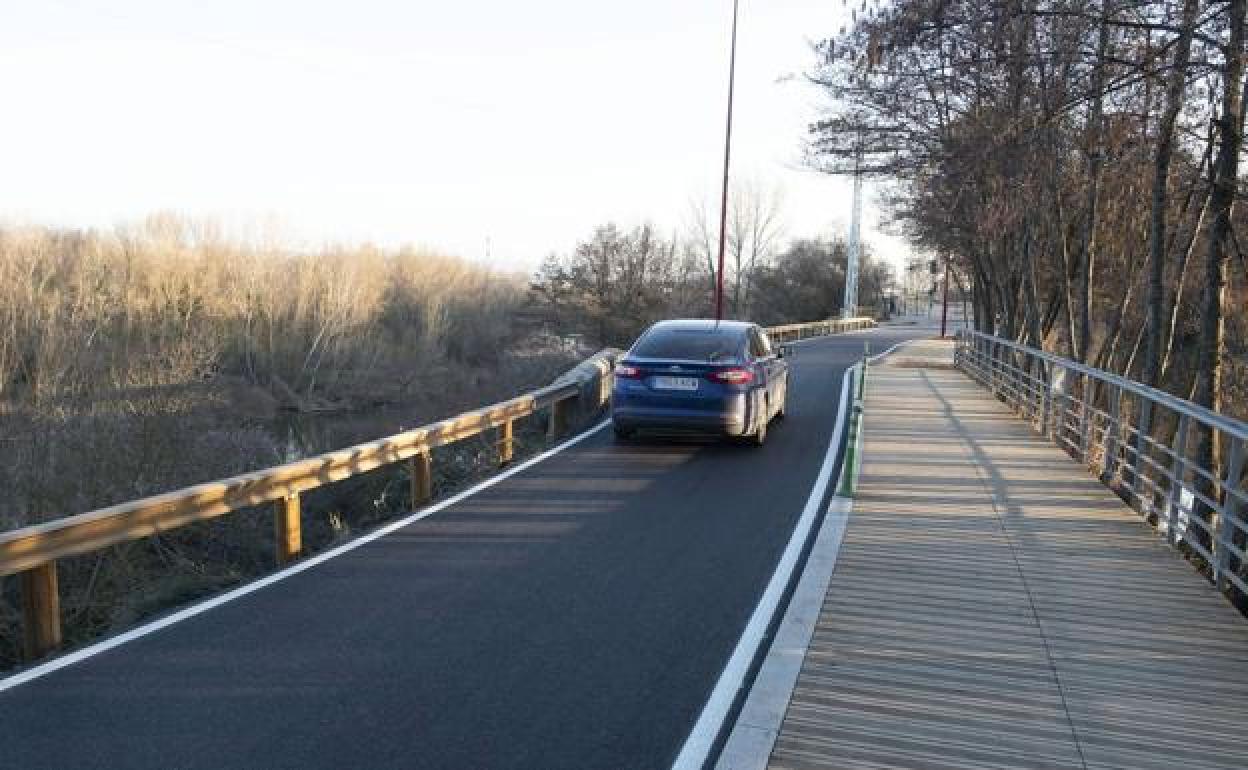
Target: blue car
(699,376)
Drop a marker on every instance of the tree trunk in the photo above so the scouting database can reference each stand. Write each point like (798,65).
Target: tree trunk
(1207,389)
(1096,163)
(1175,90)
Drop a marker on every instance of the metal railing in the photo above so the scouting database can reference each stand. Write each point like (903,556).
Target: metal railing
(1142,442)
(32,552)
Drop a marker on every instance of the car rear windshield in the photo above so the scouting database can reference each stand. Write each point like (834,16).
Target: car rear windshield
(689,345)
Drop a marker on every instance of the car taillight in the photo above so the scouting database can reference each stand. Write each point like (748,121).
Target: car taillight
(626,372)
(733,376)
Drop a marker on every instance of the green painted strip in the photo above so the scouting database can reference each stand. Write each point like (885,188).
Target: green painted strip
(853,443)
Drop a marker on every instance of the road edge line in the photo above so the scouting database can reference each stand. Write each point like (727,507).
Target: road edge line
(151,627)
(695,752)
(754,735)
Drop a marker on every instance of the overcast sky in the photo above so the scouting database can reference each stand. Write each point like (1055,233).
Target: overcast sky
(451,124)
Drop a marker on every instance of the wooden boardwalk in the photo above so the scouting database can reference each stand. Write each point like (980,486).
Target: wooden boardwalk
(995,606)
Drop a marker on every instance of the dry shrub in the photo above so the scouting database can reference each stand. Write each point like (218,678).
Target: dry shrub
(147,358)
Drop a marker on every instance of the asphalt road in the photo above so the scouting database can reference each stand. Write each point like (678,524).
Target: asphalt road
(575,615)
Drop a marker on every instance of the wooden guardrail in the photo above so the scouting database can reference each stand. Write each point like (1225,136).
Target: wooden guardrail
(791,332)
(32,552)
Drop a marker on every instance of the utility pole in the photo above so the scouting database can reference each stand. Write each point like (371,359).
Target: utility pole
(723,202)
(855,245)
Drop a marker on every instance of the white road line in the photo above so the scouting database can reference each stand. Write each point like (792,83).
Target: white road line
(878,356)
(150,628)
(697,746)
(754,735)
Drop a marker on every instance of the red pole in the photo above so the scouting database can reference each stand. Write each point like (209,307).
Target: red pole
(944,305)
(723,203)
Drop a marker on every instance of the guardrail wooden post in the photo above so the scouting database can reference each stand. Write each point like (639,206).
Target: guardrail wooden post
(506,442)
(287,529)
(558,420)
(41,611)
(420,474)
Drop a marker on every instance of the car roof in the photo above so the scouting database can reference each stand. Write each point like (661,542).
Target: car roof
(702,324)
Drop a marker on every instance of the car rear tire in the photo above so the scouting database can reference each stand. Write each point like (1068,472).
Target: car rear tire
(623,435)
(784,406)
(759,437)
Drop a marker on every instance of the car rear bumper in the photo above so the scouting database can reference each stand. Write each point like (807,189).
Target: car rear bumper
(680,421)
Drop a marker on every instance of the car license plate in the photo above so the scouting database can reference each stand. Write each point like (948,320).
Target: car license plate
(676,383)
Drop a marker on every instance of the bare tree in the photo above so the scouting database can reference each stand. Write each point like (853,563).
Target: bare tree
(754,233)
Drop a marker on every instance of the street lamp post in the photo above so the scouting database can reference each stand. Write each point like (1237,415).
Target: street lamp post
(723,202)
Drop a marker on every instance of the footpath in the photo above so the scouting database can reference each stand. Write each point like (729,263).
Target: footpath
(992,605)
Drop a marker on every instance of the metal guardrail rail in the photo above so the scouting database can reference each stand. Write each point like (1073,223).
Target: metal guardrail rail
(32,552)
(1139,440)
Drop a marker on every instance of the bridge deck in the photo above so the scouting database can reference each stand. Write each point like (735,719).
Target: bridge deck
(995,606)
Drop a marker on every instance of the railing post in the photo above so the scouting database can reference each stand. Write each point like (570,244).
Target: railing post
(1085,416)
(1179,447)
(1109,461)
(1003,373)
(1035,398)
(1224,539)
(41,611)
(1019,377)
(1050,404)
(506,442)
(420,474)
(287,529)
(990,357)
(1143,444)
